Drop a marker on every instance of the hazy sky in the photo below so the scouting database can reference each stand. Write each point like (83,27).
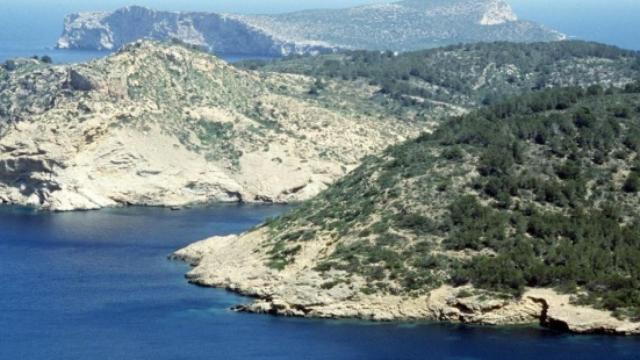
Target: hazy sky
(611,21)
(259,6)
(245,6)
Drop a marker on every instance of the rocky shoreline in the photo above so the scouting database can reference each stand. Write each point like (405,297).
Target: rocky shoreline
(236,263)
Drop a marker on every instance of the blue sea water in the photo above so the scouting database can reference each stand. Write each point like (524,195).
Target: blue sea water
(98,285)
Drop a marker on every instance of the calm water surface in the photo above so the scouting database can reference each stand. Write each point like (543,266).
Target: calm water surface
(98,285)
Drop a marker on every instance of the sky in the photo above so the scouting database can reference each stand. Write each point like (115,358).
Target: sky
(610,21)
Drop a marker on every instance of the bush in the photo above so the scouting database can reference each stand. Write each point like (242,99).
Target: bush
(419,224)
(632,184)
(453,153)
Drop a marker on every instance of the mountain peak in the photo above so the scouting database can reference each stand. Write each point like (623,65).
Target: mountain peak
(498,12)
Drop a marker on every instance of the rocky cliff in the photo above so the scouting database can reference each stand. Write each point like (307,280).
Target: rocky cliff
(400,26)
(158,124)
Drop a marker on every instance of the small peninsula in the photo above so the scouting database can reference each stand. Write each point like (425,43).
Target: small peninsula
(522,212)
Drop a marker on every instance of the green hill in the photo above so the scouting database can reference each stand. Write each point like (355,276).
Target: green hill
(166,125)
(524,211)
(540,191)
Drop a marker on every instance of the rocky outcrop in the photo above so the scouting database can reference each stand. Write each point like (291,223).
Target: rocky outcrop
(398,26)
(164,125)
(560,313)
(237,263)
(81,82)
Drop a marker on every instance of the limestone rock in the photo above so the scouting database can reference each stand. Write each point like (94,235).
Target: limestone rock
(81,82)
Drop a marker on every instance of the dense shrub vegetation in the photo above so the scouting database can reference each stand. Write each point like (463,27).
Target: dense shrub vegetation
(537,191)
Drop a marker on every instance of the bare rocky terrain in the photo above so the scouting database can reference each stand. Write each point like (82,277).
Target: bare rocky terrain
(237,263)
(164,125)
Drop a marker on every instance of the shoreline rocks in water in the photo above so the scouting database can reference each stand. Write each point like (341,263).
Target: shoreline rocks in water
(236,263)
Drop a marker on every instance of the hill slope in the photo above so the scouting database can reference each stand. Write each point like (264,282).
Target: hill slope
(400,26)
(406,25)
(158,124)
(525,211)
(464,77)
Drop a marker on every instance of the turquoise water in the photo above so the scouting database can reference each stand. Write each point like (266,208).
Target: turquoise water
(98,285)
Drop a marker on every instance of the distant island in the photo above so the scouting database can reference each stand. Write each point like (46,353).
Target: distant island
(397,26)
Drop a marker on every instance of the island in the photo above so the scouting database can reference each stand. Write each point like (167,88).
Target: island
(397,26)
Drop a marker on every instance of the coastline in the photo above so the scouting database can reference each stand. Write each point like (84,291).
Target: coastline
(4,207)
(236,263)
(173,207)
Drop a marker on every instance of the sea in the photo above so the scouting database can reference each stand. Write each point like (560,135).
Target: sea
(98,285)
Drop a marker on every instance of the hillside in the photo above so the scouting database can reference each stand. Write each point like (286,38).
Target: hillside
(158,124)
(521,212)
(397,26)
(463,77)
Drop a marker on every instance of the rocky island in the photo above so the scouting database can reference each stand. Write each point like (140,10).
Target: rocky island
(526,211)
(397,26)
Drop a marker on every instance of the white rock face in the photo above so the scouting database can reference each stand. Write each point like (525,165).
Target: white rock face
(214,32)
(86,30)
(164,125)
(498,12)
(399,26)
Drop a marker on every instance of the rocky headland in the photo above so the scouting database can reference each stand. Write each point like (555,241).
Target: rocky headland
(236,264)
